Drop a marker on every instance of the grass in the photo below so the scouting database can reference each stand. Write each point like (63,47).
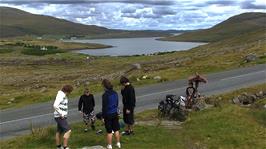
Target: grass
(27,75)
(38,52)
(225,127)
(235,26)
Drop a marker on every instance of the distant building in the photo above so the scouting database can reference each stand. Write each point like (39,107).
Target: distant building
(44,48)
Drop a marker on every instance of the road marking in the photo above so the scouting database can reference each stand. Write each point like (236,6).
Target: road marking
(243,75)
(37,116)
(32,117)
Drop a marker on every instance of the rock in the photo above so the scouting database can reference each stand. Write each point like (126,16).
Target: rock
(44,89)
(260,94)
(144,77)
(136,66)
(93,147)
(265,106)
(251,57)
(157,78)
(9,102)
(236,100)
(199,105)
(12,99)
(248,99)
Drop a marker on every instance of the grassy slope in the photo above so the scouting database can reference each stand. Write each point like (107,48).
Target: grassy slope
(15,22)
(66,46)
(234,26)
(24,81)
(225,127)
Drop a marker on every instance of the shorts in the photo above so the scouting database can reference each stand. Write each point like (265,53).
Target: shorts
(90,117)
(111,123)
(62,125)
(128,118)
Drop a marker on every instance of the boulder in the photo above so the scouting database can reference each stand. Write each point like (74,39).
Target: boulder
(236,100)
(260,94)
(157,78)
(43,89)
(251,58)
(12,99)
(200,104)
(136,66)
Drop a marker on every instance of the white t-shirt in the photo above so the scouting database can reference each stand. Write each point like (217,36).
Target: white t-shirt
(60,105)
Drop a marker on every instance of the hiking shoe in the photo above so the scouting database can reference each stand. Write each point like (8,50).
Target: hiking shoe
(125,133)
(85,130)
(99,132)
(109,146)
(118,144)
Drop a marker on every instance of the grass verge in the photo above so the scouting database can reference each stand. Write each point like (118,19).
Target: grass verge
(225,127)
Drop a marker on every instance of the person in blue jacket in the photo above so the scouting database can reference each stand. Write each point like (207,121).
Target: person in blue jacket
(110,113)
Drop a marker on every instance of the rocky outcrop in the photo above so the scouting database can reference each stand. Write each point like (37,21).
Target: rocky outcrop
(247,99)
(251,58)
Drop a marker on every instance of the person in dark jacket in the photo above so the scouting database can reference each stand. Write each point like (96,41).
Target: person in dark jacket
(129,101)
(86,108)
(190,95)
(110,113)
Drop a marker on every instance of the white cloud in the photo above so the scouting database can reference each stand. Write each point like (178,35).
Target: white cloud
(141,14)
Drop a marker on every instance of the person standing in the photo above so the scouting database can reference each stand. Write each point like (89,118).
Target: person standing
(60,114)
(110,113)
(86,108)
(129,102)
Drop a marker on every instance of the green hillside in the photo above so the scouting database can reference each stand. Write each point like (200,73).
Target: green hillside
(15,22)
(234,26)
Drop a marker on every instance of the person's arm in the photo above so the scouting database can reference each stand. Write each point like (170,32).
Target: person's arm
(80,104)
(59,98)
(104,105)
(131,98)
(93,101)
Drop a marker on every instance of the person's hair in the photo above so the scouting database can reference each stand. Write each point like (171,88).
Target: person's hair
(124,80)
(67,89)
(190,83)
(107,84)
(86,90)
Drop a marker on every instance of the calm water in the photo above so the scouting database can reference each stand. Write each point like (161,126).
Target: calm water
(136,46)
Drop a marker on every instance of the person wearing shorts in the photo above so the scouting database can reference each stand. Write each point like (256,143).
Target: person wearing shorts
(60,114)
(129,102)
(86,108)
(110,113)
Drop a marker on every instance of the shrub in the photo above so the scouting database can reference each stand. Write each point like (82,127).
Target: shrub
(38,52)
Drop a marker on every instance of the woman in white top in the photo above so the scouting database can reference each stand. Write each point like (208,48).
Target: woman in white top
(60,115)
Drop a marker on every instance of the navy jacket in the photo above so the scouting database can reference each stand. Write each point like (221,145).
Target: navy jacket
(109,103)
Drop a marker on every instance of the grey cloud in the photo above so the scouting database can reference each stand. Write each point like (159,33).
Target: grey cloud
(250,5)
(222,3)
(149,2)
(164,11)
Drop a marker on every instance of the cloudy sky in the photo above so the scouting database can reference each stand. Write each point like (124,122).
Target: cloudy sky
(141,14)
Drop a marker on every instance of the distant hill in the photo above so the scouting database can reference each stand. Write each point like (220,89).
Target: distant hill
(234,26)
(15,22)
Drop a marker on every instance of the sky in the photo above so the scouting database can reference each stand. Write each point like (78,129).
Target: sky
(141,14)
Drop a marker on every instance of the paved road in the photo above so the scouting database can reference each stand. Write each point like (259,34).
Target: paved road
(15,122)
